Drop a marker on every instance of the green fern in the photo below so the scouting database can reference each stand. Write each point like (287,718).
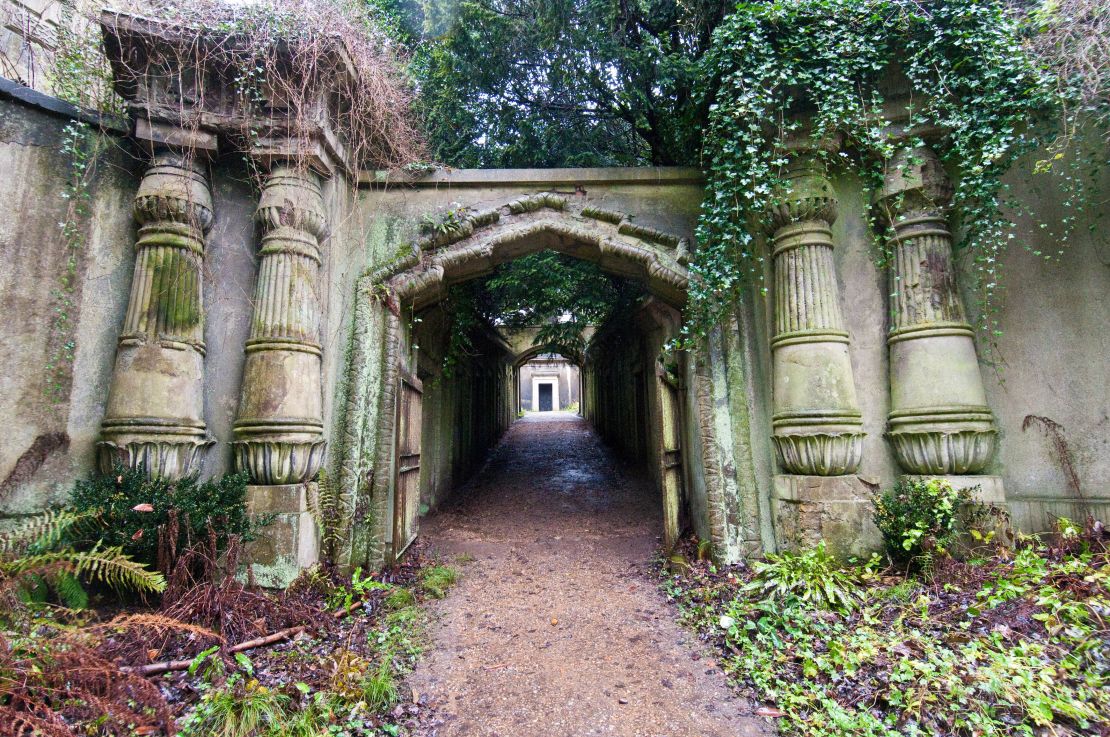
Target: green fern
(33,562)
(70,591)
(41,533)
(109,566)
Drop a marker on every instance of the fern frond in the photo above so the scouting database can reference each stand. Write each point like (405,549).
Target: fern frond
(159,623)
(70,591)
(113,567)
(106,565)
(39,533)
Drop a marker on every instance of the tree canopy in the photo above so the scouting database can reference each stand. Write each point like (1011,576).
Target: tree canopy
(517,83)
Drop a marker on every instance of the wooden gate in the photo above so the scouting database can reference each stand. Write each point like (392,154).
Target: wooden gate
(670,457)
(406,496)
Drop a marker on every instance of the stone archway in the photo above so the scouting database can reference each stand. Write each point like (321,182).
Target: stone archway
(471,245)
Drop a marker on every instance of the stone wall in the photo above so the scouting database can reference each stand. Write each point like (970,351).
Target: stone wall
(1046,380)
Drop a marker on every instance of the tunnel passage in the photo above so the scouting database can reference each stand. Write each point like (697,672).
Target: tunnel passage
(425,399)
(617,384)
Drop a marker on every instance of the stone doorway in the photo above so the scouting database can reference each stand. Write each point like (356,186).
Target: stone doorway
(544,392)
(622,392)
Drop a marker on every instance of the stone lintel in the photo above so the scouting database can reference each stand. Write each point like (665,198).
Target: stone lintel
(291,542)
(649,176)
(836,509)
(153,135)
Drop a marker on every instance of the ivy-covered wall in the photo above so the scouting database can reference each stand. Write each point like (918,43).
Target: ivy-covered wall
(1046,376)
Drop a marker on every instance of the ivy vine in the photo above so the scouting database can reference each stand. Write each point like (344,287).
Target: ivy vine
(82,145)
(959,66)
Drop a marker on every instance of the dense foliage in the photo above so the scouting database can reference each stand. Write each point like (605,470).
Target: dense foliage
(918,517)
(1010,644)
(562,82)
(154,519)
(838,63)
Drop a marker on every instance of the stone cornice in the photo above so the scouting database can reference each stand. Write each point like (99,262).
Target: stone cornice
(179,86)
(447,178)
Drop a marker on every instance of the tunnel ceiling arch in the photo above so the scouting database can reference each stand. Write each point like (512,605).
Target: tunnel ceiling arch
(474,244)
(536,351)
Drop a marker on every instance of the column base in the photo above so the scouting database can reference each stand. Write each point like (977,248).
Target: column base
(291,542)
(166,456)
(836,509)
(279,461)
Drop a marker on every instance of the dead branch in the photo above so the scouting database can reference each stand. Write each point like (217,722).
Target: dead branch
(167,666)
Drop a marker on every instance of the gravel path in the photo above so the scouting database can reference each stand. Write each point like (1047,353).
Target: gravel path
(556,627)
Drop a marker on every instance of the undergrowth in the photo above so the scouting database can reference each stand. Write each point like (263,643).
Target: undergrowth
(1016,642)
(351,640)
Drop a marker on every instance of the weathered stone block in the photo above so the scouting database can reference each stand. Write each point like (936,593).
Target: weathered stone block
(289,544)
(836,509)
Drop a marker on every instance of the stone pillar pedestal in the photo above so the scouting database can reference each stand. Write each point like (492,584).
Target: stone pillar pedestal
(836,509)
(289,544)
(940,423)
(280,427)
(155,411)
(817,427)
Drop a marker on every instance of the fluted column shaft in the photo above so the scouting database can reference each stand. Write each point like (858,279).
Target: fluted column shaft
(155,412)
(280,430)
(939,419)
(817,427)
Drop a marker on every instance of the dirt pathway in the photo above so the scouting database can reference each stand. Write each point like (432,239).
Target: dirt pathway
(557,627)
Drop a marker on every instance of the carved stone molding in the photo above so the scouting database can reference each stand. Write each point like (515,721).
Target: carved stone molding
(279,430)
(817,425)
(939,420)
(962,452)
(168,458)
(280,462)
(824,454)
(155,412)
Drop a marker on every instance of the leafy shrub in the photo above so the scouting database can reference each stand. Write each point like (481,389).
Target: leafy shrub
(919,517)
(813,578)
(153,519)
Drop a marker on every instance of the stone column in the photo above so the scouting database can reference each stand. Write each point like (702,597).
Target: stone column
(817,427)
(280,430)
(155,412)
(939,419)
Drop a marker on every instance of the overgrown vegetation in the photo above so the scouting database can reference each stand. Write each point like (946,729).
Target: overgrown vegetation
(918,518)
(153,520)
(837,64)
(323,657)
(1011,643)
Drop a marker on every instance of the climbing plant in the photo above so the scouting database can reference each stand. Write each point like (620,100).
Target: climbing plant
(836,64)
(82,145)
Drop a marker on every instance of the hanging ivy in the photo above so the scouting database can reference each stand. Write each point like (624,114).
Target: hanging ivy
(833,63)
